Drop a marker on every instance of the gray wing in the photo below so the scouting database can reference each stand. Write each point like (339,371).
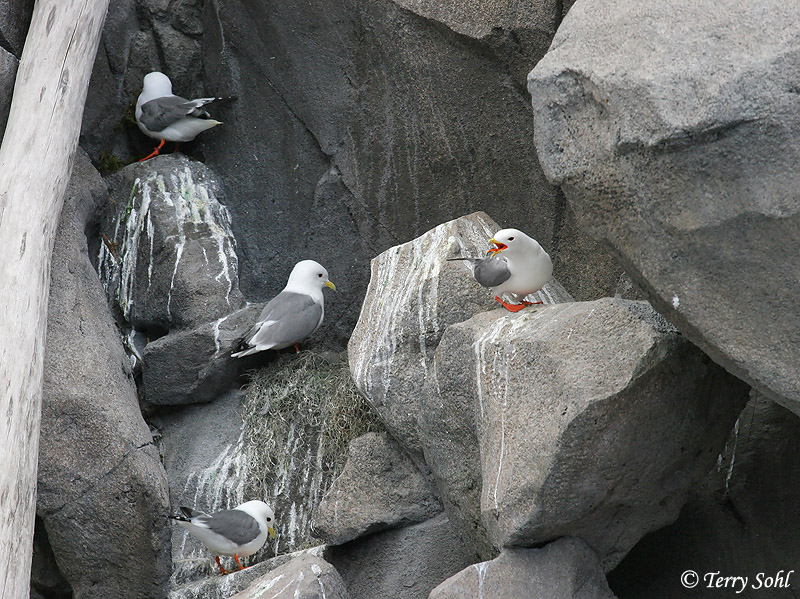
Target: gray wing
(491,272)
(286,319)
(236,525)
(160,113)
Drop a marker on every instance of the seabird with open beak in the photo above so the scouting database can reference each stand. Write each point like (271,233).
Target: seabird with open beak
(517,265)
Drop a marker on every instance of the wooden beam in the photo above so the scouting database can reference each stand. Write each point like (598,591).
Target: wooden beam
(35,164)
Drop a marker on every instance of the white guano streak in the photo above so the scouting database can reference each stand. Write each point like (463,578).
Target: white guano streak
(481,569)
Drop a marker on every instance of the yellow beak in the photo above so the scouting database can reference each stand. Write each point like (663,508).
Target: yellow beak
(271,532)
(330,284)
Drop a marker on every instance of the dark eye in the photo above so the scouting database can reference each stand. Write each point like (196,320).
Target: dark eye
(511,239)
(269,519)
(320,275)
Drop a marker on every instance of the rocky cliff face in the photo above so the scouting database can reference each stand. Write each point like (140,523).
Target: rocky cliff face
(381,138)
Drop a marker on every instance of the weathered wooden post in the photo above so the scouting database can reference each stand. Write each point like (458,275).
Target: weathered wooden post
(35,163)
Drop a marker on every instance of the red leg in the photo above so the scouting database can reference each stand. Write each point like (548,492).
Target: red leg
(238,563)
(177,145)
(154,152)
(297,348)
(221,569)
(510,307)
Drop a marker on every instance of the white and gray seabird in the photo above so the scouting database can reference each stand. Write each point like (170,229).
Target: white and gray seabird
(292,315)
(162,115)
(517,265)
(238,532)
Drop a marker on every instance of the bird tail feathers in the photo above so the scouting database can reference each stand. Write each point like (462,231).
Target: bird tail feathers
(186,516)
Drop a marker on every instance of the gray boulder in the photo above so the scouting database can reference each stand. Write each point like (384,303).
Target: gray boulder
(8,73)
(413,296)
(304,577)
(589,419)
(47,581)
(15,16)
(214,586)
(379,488)
(100,478)
(196,366)
(402,563)
(168,258)
(636,101)
(564,569)
(744,509)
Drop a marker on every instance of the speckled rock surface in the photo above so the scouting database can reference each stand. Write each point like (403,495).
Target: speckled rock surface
(590,419)
(168,257)
(673,130)
(564,569)
(379,488)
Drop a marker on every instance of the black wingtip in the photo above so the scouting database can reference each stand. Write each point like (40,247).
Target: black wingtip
(188,514)
(178,518)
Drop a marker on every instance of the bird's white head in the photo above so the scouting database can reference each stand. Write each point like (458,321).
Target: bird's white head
(308,275)
(156,84)
(260,511)
(511,240)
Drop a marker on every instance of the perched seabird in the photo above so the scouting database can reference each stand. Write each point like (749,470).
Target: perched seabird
(292,315)
(162,115)
(517,265)
(238,532)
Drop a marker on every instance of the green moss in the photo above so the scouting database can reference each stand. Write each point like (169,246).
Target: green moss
(312,396)
(110,163)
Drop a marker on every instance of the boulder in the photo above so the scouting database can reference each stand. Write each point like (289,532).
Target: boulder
(479,19)
(168,257)
(8,73)
(564,569)
(304,577)
(741,520)
(15,16)
(590,419)
(47,581)
(402,563)
(213,586)
(100,477)
(413,296)
(379,488)
(673,131)
(196,366)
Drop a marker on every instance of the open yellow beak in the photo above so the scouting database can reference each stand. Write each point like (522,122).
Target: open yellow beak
(271,532)
(331,285)
(500,247)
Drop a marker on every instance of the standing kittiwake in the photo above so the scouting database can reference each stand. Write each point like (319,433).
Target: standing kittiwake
(238,532)
(292,315)
(517,265)
(162,115)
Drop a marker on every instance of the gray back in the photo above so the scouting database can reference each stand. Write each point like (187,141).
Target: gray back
(236,525)
(160,113)
(296,316)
